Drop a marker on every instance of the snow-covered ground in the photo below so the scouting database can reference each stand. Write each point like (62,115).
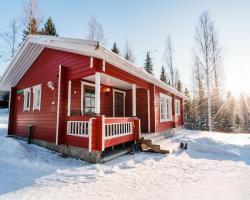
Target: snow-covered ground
(215,166)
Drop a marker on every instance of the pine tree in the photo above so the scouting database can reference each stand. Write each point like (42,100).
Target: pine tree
(244,112)
(148,65)
(227,117)
(49,28)
(115,49)
(179,86)
(31,28)
(163,75)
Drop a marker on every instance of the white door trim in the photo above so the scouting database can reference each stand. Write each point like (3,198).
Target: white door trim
(124,96)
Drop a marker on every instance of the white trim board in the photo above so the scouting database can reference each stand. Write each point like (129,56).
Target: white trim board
(58,102)
(88,83)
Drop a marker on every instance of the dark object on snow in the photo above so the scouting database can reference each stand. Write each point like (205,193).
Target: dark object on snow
(30,136)
(183,145)
(4,99)
(135,148)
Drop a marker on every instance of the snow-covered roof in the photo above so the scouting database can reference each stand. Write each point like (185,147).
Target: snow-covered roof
(34,45)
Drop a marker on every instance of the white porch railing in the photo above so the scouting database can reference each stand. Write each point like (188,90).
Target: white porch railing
(78,128)
(118,129)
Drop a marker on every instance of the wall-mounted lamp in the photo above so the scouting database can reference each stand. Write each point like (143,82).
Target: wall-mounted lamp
(106,90)
(51,85)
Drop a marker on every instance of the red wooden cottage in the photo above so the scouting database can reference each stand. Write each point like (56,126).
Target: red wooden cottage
(80,98)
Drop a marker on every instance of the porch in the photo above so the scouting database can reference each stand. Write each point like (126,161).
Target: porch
(102,111)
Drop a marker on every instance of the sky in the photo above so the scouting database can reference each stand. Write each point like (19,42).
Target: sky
(146,25)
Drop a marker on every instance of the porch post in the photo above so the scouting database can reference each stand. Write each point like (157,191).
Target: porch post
(97,92)
(148,99)
(69,98)
(173,111)
(134,100)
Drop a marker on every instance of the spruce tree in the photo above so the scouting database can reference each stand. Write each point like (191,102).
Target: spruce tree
(49,28)
(148,65)
(115,49)
(31,28)
(179,86)
(163,75)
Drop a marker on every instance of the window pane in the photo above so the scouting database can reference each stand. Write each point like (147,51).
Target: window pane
(89,101)
(27,100)
(92,103)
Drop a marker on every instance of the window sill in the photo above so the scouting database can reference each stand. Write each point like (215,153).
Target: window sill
(167,120)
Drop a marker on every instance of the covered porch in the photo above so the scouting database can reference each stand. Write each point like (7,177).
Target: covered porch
(104,111)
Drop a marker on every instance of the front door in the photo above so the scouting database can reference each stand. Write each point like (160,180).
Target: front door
(119,104)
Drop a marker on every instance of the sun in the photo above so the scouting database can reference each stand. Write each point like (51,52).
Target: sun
(238,81)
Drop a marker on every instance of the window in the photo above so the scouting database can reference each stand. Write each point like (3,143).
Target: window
(177,107)
(37,97)
(165,108)
(89,99)
(26,101)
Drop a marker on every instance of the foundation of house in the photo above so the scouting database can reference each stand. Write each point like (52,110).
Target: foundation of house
(75,152)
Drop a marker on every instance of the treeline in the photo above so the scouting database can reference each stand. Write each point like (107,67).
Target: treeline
(210,107)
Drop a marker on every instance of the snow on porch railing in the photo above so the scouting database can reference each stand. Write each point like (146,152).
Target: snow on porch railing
(78,128)
(118,129)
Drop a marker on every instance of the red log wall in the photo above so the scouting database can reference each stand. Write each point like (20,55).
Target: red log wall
(45,69)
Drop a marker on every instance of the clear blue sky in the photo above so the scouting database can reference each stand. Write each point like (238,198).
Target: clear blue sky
(146,25)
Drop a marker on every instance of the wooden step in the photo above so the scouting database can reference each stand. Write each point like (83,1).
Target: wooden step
(147,145)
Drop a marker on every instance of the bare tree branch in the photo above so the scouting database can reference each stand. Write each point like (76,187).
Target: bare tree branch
(95,31)
(10,40)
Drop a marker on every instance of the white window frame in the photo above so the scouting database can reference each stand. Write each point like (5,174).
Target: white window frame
(177,107)
(36,88)
(25,92)
(168,102)
(83,83)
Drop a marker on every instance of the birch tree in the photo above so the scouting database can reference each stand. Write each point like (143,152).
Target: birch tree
(217,75)
(168,59)
(199,103)
(95,31)
(203,54)
(10,40)
(31,18)
(129,53)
